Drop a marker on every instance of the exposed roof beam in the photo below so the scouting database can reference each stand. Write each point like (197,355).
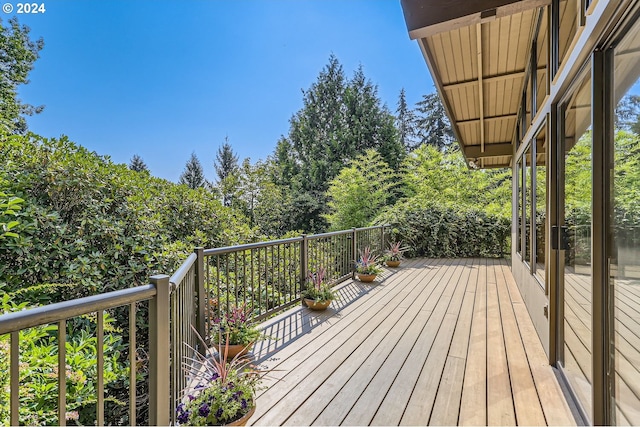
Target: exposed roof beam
(488,119)
(490,150)
(480,86)
(490,79)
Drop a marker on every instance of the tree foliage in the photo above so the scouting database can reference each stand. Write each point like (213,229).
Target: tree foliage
(226,166)
(137,164)
(359,191)
(432,124)
(339,120)
(193,174)
(405,122)
(18,54)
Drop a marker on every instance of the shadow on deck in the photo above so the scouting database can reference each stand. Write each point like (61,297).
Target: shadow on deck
(438,342)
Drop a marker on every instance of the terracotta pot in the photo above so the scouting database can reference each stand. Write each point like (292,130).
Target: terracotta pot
(392,263)
(234,350)
(317,305)
(367,278)
(243,421)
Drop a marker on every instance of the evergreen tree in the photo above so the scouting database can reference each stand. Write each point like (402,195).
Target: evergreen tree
(226,165)
(405,123)
(193,175)
(17,56)
(137,164)
(432,124)
(339,120)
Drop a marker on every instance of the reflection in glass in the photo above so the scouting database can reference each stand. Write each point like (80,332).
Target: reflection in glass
(541,203)
(577,360)
(519,229)
(625,219)
(542,44)
(527,205)
(568,27)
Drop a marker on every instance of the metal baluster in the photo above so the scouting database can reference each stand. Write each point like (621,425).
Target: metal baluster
(62,373)
(132,364)
(100,367)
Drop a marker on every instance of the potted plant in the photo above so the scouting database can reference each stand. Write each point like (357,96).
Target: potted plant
(318,294)
(394,254)
(234,332)
(367,265)
(225,390)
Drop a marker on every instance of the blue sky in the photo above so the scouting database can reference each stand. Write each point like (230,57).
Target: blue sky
(165,78)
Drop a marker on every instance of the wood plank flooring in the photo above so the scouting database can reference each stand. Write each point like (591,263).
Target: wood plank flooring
(436,341)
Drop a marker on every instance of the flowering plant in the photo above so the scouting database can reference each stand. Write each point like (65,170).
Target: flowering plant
(225,390)
(368,262)
(317,289)
(236,327)
(395,252)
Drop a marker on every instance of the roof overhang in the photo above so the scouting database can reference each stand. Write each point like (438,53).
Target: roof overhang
(478,52)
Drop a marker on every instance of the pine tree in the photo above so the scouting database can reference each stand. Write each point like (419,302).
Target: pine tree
(432,124)
(405,123)
(226,165)
(137,164)
(339,120)
(193,175)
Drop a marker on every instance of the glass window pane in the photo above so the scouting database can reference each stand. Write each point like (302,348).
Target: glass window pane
(541,203)
(568,26)
(577,359)
(625,219)
(520,192)
(527,205)
(542,45)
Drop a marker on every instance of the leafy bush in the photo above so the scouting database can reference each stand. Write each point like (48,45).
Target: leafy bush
(87,226)
(39,369)
(434,230)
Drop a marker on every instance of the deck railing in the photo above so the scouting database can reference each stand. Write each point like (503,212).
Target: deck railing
(157,293)
(266,277)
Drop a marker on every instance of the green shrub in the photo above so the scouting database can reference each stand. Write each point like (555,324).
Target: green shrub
(434,230)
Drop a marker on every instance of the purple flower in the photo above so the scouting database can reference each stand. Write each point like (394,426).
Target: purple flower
(204,410)
(244,403)
(183,416)
(219,413)
(215,376)
(191,398)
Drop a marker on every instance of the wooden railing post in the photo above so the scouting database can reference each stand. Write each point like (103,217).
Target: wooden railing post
(159,352)
(304,260)
(201,318)
(382,239)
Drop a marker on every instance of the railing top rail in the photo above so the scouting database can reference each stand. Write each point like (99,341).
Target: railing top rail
(16,321)
(371,228)
(182,271)
(249,246)
(329,234)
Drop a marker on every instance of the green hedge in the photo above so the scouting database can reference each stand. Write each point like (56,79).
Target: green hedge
(434,230)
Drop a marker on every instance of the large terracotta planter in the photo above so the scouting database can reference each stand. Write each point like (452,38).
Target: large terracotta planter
(243,421)
(234,350)
(317,305)
(392,263)
(367,278)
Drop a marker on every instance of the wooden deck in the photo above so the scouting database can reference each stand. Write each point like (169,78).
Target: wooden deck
(439,342)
